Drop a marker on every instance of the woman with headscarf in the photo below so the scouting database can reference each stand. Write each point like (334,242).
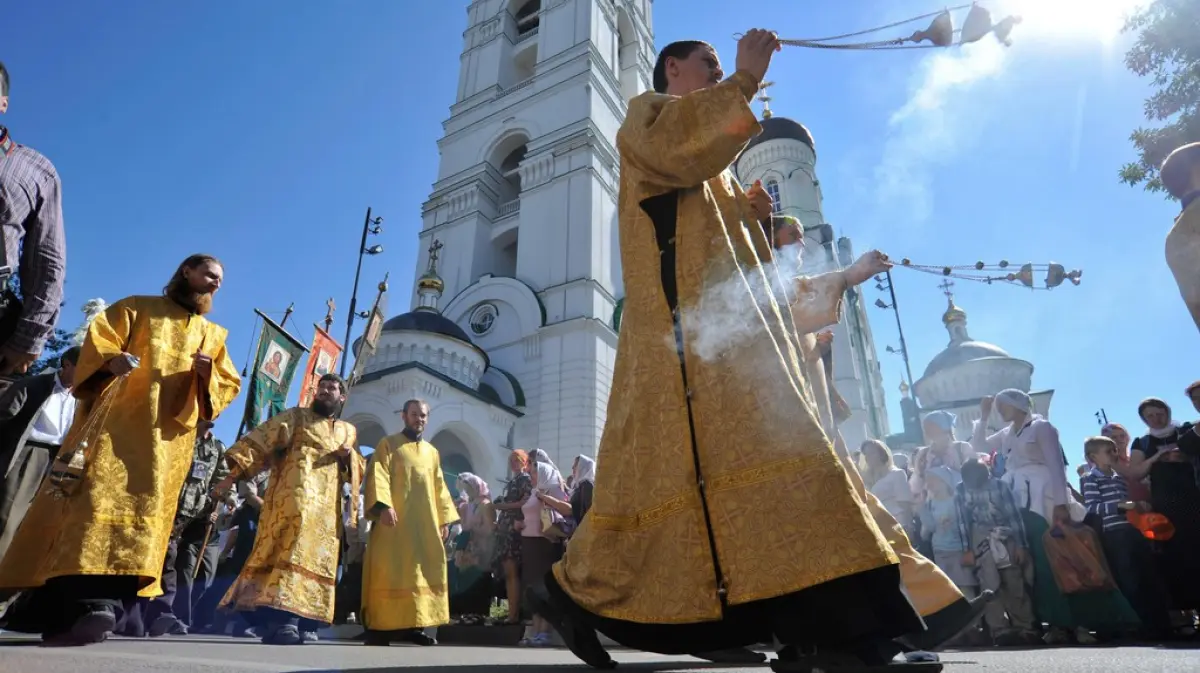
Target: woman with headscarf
(944,449)
(508,538)
(470,573)
(539,553)
(1172,452)
(889,483)
(583,475)
(1035,467)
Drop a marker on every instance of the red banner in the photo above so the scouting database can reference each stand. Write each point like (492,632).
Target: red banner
(322,360)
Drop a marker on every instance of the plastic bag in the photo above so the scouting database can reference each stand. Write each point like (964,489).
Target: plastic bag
(1077,559)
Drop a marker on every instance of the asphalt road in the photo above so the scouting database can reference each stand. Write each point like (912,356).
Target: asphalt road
(198,654)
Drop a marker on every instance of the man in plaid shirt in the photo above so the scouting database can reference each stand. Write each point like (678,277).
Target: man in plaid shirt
(34,247)
(997,548)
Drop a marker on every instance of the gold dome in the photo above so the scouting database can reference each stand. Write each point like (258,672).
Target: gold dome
(953,313)
(430,281)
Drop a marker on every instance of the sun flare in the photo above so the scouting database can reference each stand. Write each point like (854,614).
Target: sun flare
(1099,20)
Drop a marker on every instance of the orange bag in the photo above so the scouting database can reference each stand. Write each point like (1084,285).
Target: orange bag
(1077,559)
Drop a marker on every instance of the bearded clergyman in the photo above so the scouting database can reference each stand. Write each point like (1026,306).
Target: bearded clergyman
(150,370)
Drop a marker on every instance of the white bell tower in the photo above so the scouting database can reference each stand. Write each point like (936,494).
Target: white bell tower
(526,192)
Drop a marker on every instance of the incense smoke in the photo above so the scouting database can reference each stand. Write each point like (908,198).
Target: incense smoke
(934,125)
(723,318)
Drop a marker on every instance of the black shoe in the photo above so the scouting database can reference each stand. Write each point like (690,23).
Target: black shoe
(792,660)
(376,638)
(735,656)
(581,640)
(287,634)
(418,637)
(947,624)
(93,627)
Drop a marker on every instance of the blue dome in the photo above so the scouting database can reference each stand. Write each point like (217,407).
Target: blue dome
(963,352)
(426,321)
(782,128)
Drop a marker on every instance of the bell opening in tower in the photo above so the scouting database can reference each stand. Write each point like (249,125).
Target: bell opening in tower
(528,18)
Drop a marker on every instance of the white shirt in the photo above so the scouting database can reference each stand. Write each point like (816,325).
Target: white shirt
(53,420)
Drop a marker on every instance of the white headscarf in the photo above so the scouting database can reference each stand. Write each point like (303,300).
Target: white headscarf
(585,470)
(1015,399)
(473,486)
(540,458)
(549,481)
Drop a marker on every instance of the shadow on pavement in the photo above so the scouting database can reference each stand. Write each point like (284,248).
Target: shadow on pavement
(640,667)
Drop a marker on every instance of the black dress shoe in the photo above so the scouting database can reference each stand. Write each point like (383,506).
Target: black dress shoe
(93,627)
(418,637)
(735,656)
(376,638)
(947,624)
(581,640)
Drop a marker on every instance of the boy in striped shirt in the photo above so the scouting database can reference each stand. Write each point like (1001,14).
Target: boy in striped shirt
(1106,495)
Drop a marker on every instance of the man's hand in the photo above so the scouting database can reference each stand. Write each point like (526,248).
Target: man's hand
(202,365)
(15,362)
(445,533)
(222,488)
(212,518)
(754,53)
(388,518)
(968,559)
(866,267)
(120,365)
(1126,506)
(761,201)
(344,452)
(1020,556)
(1143,507)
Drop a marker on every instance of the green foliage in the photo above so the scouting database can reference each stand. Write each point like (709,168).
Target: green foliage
(58,342)
(1167,51)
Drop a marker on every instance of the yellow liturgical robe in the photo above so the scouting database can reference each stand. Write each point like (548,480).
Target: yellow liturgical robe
(293,566)
(404,573)
(119,521)
(1183,257)
(781,509)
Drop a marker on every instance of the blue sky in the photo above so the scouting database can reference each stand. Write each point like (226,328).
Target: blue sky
(260,132)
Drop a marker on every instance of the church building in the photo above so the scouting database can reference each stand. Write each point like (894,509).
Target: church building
(516,308)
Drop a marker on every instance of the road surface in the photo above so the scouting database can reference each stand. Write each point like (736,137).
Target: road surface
(200,654)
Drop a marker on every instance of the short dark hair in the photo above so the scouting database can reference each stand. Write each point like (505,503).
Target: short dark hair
(336,379)
(3,79)
(1177,168)
(678,50)
(975,470)
(409,403)
(1152,402)
(70,355)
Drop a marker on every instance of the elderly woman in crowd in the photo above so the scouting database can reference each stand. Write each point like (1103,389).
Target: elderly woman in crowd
(889,483)
(508,538)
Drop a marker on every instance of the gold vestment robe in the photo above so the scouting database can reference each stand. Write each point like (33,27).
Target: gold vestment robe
(1183,257)
(782,510)
(404,573)
(928,587)
(119,521)
(293,566)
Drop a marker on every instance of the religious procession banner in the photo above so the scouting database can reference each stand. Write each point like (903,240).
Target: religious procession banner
(370,340)
(274,368)
(322,360)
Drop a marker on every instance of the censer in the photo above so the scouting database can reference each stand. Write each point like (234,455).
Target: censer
(941,32)
(1003,272)
(66,473)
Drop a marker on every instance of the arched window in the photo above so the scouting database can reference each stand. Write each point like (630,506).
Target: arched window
(773,192)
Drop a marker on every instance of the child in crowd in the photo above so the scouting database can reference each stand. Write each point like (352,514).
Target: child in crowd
(1106,495)
(998,551)
(940,526)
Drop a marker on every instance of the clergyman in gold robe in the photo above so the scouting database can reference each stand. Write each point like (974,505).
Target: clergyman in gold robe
(105,541)
(943,607)
(286,588)
(1180,175)
(405,588)
(721,516)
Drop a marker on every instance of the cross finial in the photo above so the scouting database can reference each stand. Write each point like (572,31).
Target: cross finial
(947,286)
(433,254)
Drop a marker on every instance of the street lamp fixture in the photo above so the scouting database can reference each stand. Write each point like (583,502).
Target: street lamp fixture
(884,283)
(371,226)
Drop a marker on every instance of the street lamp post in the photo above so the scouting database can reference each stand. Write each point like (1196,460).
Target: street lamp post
(370,226)
(899,328)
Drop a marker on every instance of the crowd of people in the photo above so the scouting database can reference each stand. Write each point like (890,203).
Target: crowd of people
(728,512)
(992,512)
